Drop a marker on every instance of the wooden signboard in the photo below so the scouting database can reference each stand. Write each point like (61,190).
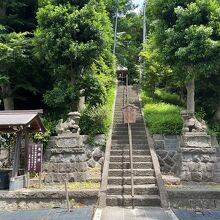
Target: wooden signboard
(129,113)
(35,152)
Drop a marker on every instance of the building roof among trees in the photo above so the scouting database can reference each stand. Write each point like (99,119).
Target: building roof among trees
(12,121)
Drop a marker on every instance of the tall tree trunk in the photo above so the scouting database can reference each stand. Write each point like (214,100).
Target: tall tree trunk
(8,103)
(73,80)
(3,5)
(8,99)
(190,87)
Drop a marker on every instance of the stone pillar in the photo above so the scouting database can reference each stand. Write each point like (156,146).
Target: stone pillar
(81,104)
(197,157)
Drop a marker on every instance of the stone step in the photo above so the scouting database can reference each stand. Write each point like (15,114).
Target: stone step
(121,119)
(125,130)
(123,126)
(126,165)
(134,132)
(138,180)
(127,159)
(139,200)
(126,141)
(127,152)
(120,102)
(118,112)
(149,189)
(125,137)
(126,146)
(121,122)
(127,172)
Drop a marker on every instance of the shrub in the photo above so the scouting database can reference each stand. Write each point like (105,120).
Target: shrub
(167,97)
(162,118)
(93,120)
(97,119)
(215,130)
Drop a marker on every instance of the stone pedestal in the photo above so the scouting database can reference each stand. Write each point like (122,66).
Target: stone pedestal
(70,156)
(66,158)
(197,157)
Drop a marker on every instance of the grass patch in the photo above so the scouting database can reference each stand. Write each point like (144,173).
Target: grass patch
(161,117)
(167,97)
(81,185)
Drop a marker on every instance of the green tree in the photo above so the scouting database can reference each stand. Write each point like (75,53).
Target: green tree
(188,36)
(129,43)
(15,60)
(155,72)
(123,6)
(18,16)
(70,36)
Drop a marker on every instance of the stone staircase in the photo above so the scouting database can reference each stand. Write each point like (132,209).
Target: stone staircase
(119,173)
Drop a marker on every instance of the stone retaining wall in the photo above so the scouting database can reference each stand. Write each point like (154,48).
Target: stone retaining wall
(194,199)
(168,151)
(46,199)
(69,157)
(167,147)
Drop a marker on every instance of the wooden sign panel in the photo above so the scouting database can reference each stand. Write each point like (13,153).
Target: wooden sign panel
(129,113)
(35,153)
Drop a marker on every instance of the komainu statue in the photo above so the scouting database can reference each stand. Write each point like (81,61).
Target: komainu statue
(191,124)
(70,126)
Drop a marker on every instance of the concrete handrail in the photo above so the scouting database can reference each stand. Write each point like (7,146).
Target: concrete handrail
(160,183)
(104,181)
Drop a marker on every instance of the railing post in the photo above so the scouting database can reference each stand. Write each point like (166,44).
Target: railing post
(130,146)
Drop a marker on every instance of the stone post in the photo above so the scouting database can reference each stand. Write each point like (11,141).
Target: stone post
(81,104)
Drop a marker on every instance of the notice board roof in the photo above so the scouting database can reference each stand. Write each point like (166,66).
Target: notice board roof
(12,121)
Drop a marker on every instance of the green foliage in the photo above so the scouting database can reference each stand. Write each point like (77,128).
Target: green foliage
(61,96)
(124,6)
(162,118)
(215,130)
(96,83)
(167,97)
(93,120)
(41,137)
(184,36)
(129,42)
(18,16)
(97,119)
(154,70)
(7,140)
(71,37)
(16,64)
(200,115)
(187,34)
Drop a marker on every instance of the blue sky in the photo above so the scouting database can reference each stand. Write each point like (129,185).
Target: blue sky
(138,2)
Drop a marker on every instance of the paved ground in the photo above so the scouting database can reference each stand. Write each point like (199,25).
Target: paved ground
(153,213)
(48,214)
(111,213)
(197,215)
(147,213)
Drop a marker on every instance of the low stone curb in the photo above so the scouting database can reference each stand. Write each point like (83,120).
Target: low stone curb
(194,198)
(46,199)
(43,194)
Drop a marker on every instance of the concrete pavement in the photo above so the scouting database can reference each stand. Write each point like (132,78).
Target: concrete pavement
(48,214)
(139,213)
